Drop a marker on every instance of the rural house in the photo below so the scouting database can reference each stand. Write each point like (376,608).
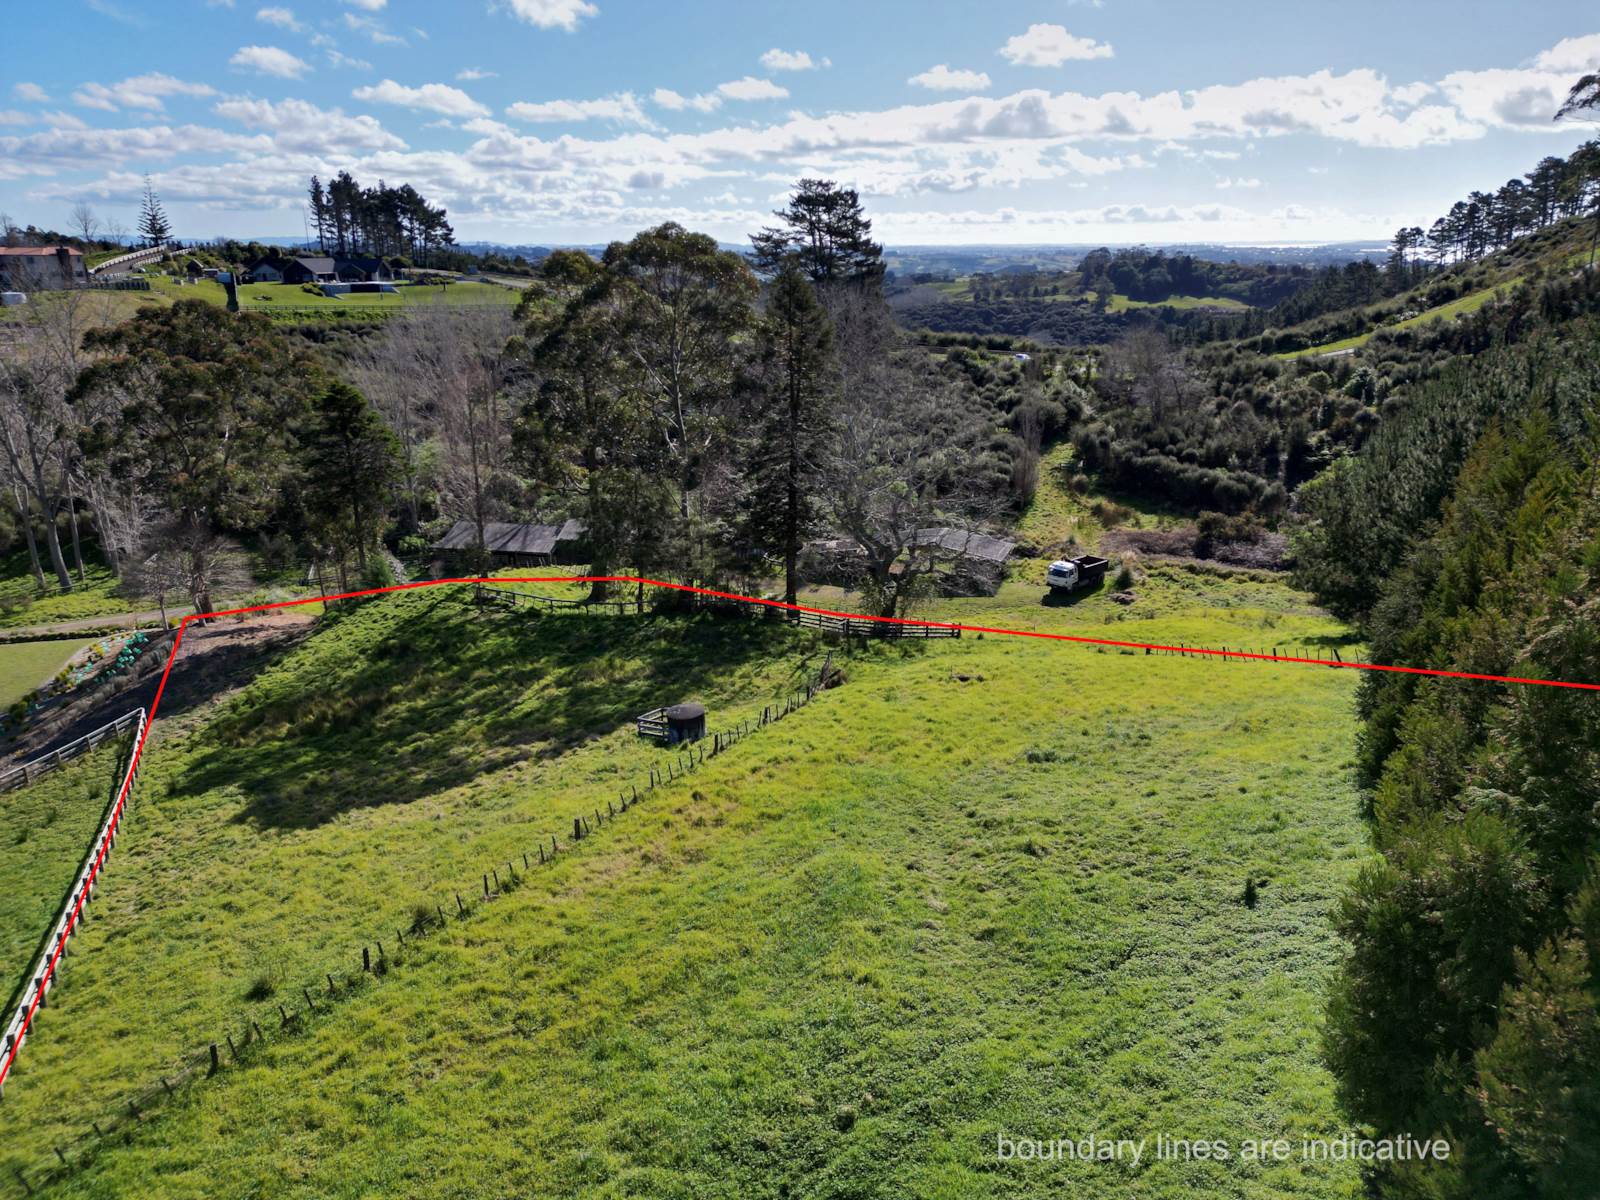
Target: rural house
(512,544)
(320,268)
(355,269)
(30,268)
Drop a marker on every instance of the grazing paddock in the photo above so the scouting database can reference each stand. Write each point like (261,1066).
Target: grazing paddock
(986,885)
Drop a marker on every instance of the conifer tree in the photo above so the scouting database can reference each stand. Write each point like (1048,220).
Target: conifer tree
(826,231)
(797,391)
(153,224)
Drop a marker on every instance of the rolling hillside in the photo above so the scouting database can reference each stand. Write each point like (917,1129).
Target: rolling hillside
(985,886)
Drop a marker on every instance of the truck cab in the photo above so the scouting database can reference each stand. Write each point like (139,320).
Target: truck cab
(1070,574)
(1062,575)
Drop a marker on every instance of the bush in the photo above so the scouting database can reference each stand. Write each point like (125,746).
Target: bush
(378,572)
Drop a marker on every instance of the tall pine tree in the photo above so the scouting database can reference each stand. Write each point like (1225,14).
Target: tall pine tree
(826,231)
(795,413)
(153,224)
(351,460)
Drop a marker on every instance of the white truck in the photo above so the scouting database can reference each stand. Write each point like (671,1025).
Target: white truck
(1070,574)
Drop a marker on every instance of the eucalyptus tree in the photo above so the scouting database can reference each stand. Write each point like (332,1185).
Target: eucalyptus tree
(201,408)
(681,310)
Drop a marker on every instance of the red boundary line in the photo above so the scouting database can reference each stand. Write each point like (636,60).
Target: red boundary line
(177,641)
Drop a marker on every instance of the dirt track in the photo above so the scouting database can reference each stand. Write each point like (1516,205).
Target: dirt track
(212,659)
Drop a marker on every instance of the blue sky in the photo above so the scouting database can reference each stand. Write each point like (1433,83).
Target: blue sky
(582,120)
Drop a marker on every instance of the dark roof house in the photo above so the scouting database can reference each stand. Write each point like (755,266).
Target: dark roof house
(356,269)
(310,269)
(516,543)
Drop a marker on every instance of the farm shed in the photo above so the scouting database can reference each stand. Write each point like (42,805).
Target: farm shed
(974,562)
(513,544)
(970,563)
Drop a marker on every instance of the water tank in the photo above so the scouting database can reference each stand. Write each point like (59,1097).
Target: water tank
(685,722)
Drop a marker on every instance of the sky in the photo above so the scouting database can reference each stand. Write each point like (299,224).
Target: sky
(579,121)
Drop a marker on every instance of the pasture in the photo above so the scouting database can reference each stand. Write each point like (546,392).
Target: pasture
(987,885)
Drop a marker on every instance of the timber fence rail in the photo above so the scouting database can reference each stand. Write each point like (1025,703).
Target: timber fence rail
(850,627)
(486,594)
(292,1008)
(37,767)
(43,970)
(134,257)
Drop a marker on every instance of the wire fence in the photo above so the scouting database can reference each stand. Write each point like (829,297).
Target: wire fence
(364,965)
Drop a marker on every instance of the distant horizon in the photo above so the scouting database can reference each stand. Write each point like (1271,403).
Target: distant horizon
(1373,244)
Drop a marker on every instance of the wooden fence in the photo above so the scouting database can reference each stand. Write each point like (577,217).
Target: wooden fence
(34,768)
(373,960)
(652,724)
(485,594)
(41,975)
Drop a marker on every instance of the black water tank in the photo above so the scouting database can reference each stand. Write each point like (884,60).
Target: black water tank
(685,722)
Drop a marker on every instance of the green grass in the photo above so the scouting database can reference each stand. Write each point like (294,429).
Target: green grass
(1444,312)
(988,885)
(1121,303)
(26,665)
(23,603)
(45,829)
(1058,515)
(266,297)
(961,290)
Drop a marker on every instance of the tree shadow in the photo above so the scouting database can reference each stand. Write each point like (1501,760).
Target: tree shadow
(401,709)
(1349,637)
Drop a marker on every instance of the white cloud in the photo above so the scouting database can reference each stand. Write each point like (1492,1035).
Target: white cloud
(791,60)
(270,60)
(669,99)
(472,74)
(13,116)
(622,107)
(141,91)
(430,97)
(337,58)
(30,91)
(1413,93)
(71,148)
(1573,55)
(64,120)
(552,14)
(373,29)
(369,5)
(284,18)
(1050,46)
(751,88)
(1239,183)
(944,78)
(300,127)
(1515,98)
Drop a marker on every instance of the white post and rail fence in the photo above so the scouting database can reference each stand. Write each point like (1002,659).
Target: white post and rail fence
(42,971)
